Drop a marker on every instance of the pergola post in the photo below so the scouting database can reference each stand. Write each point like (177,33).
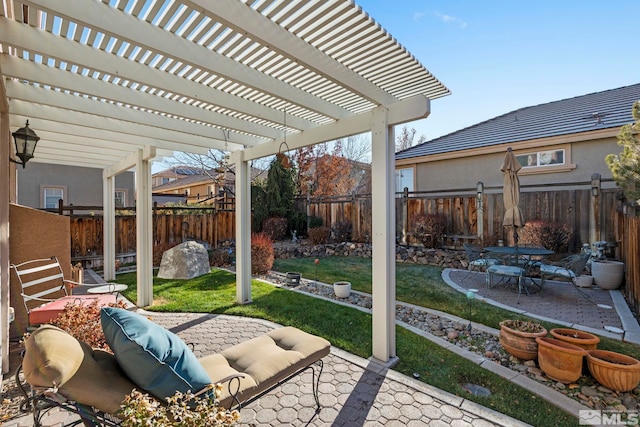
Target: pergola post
(243,228)
(109,228)
(144,231)
(383,237)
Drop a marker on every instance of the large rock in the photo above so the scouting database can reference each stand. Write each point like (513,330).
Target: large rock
(185,261)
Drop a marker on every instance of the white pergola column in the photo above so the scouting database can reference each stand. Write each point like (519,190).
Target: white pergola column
(383,236)
(243,228)
(144,230)
(109,227)
(5,197)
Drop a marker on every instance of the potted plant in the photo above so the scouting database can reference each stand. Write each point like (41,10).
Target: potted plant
(613,370)
(573,336)
(342,289)
(560,360)
(518,338)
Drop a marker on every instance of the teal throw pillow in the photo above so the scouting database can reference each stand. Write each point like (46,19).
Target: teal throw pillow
(156,360)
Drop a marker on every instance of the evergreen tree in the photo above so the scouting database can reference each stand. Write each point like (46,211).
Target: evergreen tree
(280,187)
(625,166)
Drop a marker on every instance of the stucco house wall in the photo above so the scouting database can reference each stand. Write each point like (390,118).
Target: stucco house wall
(81,186)
(585,127)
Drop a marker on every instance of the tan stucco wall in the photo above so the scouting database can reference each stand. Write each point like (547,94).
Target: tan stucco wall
(35,234)
(463,173)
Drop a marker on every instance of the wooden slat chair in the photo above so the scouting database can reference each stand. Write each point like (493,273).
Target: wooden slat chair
(45,292)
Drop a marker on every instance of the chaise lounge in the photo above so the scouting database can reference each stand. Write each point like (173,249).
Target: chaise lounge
(63,371)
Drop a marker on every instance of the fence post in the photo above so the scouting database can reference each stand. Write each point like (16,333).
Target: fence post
(405,214)
(480,211)
(594,217)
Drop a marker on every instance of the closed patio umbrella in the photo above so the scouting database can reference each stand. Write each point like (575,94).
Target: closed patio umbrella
(511,193)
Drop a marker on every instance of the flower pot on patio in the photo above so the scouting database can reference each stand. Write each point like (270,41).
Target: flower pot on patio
(342,289)
(584,281)
(560,360)
(518,338)
(573,336)
(607,274)
(613,370)
(293,278)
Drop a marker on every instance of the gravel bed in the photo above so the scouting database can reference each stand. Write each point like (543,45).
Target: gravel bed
(586,390)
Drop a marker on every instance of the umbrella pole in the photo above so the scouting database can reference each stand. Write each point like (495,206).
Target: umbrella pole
(515,236)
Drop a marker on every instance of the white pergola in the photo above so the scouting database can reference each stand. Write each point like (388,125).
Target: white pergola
(113,84)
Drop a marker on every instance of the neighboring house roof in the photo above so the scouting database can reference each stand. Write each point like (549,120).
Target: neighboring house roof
(200,178)
(600,110)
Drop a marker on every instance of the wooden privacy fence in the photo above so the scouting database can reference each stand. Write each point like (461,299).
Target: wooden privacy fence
(592,218)
(628,234)
(212,227)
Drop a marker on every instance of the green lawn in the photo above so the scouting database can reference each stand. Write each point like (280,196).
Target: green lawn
(350,329)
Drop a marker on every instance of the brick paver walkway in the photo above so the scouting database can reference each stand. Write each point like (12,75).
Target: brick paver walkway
(353,391)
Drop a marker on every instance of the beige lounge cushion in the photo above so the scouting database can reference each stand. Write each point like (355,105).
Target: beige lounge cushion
(265,360)
(91,377)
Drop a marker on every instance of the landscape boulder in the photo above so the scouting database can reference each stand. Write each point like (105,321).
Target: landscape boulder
(185,261)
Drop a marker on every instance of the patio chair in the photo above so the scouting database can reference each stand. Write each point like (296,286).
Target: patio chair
(567,268)
(45,292)
(476,259)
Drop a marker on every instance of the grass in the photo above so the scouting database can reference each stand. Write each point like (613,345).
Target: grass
(350,329)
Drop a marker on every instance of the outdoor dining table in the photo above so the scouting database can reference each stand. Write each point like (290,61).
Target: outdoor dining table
(529,254)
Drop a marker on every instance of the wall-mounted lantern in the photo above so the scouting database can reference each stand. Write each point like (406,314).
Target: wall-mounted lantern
(595,184)
(25,140)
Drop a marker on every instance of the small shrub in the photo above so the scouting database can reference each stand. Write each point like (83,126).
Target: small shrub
(342,231)
(83,323)
(315,222)
(262,254)
(275,227)
(319,235)
(550,235)
(220,257)
(160,249)
(187,410)
(429,229)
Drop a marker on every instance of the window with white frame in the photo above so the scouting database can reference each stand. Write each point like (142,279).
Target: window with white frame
(120,198)
(404,178)
(542,158)
(51,197)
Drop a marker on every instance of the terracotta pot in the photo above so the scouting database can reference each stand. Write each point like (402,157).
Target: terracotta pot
(573,336)
(342,289)
(613,370)
(560,360)
(520,344)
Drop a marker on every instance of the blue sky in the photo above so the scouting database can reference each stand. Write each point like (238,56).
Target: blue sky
(498,56)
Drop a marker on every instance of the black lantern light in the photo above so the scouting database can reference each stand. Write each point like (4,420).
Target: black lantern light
(26,141)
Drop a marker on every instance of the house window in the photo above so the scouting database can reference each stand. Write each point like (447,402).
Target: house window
(542,158)
(120,197)
(51,196)
(404,178)
(166,180)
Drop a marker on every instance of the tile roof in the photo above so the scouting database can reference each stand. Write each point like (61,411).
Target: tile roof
(600,110)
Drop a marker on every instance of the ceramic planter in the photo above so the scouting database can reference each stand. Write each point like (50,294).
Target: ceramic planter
(520,344)
(342,289)
(573,336)
(613,370)
(560,360)
(607,274)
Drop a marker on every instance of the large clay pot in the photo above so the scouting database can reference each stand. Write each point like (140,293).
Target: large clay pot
(560,360)
(607,274)
(520,344)
(613,370)
(573,336)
